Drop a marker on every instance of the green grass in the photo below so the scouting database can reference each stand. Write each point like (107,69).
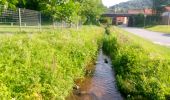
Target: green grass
(27,29)
(146,44)
(160,28)
(44,65)
(142,68)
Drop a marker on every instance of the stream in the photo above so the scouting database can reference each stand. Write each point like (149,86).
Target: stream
(101,85)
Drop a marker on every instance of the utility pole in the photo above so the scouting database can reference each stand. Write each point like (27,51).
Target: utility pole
(145,20)
(144,12)
(168,18)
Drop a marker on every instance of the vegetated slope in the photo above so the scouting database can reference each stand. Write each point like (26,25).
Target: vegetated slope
(44,65)
(142,68)
(134,4)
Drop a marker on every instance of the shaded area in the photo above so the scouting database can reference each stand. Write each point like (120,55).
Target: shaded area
(101,86)
(168,35)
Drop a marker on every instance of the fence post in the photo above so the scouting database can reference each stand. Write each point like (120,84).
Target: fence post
(40,22)
(20,21)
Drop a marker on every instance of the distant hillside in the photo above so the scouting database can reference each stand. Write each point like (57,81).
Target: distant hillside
(134,4)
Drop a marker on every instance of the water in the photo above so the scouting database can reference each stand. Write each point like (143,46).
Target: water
(101,86)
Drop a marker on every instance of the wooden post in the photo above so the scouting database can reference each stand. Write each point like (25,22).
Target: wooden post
(20,20)
(40,21)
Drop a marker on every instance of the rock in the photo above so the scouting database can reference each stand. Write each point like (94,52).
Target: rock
(76,87)
(105,61)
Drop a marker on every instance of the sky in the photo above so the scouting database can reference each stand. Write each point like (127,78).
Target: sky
(109,3)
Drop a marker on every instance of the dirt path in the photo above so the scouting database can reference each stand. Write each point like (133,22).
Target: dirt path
(155,37)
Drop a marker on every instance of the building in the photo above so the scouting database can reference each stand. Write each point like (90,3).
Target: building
(166,16)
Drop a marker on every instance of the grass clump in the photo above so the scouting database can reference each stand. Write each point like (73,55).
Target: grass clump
(142,68)
(160,28)
(45,65)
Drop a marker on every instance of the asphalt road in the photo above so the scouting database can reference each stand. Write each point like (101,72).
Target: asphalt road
(155,37)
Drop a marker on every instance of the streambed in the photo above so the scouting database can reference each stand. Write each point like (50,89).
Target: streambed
(101,85)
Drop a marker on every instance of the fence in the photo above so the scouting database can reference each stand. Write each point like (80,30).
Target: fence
(20,19)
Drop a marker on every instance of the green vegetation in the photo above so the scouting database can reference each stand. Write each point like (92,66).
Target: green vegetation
(157,5)
(133,4)
(70,11)
(160,28)
(140,20)
(142,68)
(45,65)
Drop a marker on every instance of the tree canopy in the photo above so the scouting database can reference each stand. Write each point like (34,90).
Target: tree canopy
(68,10)
(158,5)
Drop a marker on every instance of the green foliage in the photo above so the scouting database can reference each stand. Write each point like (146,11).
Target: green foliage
(105,21)
(9,3)
(133,4)
(107,30)
(140,20)
(45,65)
(88,11)
(142,73)
(91,11)
(159,5)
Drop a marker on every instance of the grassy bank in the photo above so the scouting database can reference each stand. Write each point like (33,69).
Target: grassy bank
(142,68)
(160,28)
(45,65)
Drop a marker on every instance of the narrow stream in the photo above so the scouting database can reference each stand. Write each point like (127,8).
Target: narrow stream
(101,86)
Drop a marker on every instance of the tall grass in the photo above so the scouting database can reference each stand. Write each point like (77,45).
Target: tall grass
(142,68)
(45,65)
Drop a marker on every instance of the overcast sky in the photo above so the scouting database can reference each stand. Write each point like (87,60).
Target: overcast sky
(109,3)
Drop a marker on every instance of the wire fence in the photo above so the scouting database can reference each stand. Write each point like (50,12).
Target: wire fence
(20,19)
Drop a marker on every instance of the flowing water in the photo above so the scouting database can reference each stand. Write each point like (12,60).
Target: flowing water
(100,86)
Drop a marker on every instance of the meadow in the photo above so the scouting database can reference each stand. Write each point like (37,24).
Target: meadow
(160,28)
(142,68)
(44,65)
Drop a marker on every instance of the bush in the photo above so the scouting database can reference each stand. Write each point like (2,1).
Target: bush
(141,73)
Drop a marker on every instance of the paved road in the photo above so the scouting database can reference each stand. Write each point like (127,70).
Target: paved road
(155,37)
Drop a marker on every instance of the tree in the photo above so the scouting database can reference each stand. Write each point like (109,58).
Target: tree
(10,3)
(63,10)
(91,11)
(29,4)
(158,5)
